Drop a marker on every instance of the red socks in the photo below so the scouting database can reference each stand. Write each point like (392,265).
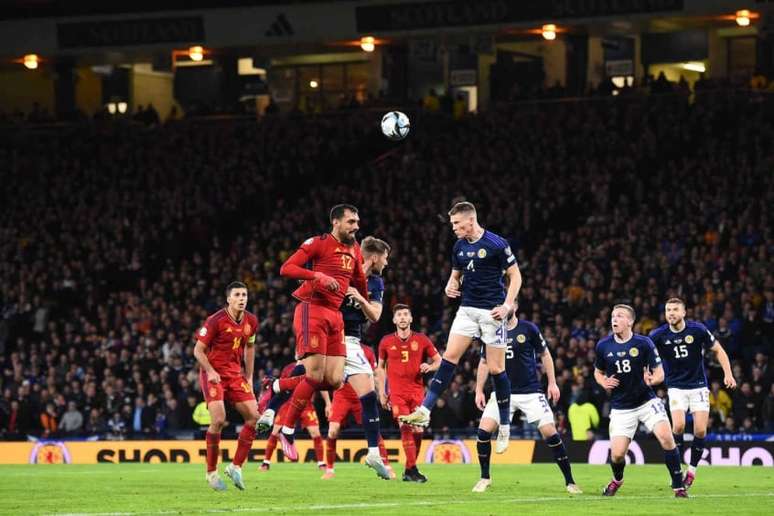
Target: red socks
(418,441)
(213,450)
(318,449)
(245,442)
(409,445)
(383,451)
(271,444)
(330,453)
(290,383)
(301,396)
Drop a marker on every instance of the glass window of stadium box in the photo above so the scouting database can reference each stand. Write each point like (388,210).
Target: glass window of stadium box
(319,87)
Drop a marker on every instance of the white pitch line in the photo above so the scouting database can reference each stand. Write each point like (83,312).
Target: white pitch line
(386,505)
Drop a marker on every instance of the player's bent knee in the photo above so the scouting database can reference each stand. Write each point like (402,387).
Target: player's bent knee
(489,425)
(547,430)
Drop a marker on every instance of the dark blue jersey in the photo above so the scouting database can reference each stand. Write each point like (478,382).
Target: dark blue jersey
(627,362)
(482,264)
(525,345)
(353,316)
(683,354)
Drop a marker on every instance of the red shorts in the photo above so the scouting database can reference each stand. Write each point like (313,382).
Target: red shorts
(345,400)
(319,330)
(404,404)
(308,416)
(234,389)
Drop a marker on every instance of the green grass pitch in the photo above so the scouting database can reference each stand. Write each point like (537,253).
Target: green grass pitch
(148,489)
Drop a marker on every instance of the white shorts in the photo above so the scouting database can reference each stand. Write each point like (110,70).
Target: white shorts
(695,400)
(478,323)
(625,422)
(356,362)
(534,406)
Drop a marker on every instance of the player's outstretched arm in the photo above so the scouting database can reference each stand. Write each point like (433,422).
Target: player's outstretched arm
(548,366)
(200,352)
(725,363)
(482,375)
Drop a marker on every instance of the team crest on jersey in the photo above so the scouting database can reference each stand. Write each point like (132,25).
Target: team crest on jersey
(414,345)
(203,332)
(521,338)
(247,328)
(213,392)
(634,352)
(482,253)
(314,341)
(689,339)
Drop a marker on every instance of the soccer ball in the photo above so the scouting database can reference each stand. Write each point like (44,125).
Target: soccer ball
(395,125)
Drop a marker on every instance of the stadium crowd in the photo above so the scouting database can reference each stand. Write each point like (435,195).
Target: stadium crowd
(118,239)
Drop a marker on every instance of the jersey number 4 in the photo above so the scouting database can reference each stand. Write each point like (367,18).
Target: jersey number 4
(471,266)
(623,366)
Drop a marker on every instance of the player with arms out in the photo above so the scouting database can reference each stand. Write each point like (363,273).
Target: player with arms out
(626,366)
(682,344)
(327,264)
(525,344)
(358,371)
(478,258)
(403,359)
(227,338)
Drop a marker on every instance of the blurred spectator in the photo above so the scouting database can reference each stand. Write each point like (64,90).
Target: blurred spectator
(72,420)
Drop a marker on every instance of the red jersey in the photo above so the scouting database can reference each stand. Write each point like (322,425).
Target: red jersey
(403,358)
(226,339)
(342,262)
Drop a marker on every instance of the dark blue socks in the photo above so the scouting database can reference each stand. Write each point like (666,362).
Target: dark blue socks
(370,418)
(484,448)
(439,383)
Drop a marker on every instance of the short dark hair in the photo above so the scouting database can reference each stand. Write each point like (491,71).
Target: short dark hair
(337,212)
(675,301)
(628,308)
(400,306)
(462,207)
(373,245)
(234,284)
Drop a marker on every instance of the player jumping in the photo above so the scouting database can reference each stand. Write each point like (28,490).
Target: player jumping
(226,338)
(627,365)
(682,345)
(336,262)
(478,260)
(404,355)
(524,344)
